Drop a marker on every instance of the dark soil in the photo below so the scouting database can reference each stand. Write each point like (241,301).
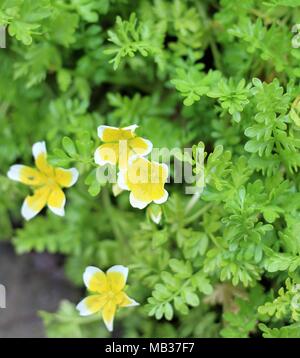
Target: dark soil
(33,282)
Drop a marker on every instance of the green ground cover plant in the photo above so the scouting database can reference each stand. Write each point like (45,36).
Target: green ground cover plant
(219,76)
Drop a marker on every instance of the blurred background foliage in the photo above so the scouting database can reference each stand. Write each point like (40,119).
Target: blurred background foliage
(223,73)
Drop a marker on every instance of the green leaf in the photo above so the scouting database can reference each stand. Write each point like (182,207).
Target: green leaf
(69,146)
(181,268)
(194,84)
(191,298)
(128,38)
(168,311)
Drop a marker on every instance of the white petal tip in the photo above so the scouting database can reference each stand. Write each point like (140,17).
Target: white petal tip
(57,211)
(109,326)
(137,203)
(100,161)
(121,180)
(132,128)
(121,269)
(88,273)
(163,199)
(133,303)
(101,129)
(60,211)
(27,212)
(75,176)
(14,172)
(83,310)
(38,148)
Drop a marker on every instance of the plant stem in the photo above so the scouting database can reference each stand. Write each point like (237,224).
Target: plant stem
(192,202)
(110,211)
(216,55)
(214,240)
(198,213)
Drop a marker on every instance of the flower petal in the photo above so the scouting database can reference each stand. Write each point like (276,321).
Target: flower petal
(131,128)
(114,134)
(40,155)
(137,203)
(66,177)
(139,171)
(33,204)
(57,201)
(107,133)
(122,180)
(107,153)
(122,300)
(91,304)
(116,190)
(127,301)
(95,279)
(163,199)
(39,148)
(108,315)
(139,146)
(26,175)
(117,277)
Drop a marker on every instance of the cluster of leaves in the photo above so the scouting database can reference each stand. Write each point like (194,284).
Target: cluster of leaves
(221,77)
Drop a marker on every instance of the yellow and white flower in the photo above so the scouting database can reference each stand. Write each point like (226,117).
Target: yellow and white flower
(120,144)
(145,180)
(47,183)
(108,293)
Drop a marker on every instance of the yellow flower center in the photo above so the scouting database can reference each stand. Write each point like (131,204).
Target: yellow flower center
(51,182)
(111,295)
